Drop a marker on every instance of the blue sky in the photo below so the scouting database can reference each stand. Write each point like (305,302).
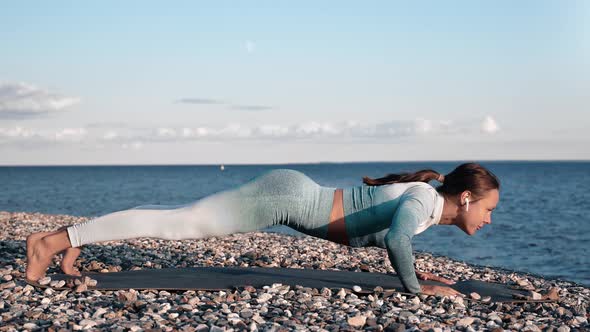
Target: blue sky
(142,82)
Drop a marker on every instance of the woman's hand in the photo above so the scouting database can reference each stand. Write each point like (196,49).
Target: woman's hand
(439,290)
(430,276)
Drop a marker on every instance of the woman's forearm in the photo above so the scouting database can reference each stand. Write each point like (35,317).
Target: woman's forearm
(399,250)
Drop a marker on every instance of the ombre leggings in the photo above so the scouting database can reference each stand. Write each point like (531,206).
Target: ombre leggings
(279,196)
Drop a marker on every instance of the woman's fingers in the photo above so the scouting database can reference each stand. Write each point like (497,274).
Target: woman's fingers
(441,279)
(445,280)
(430,276)
(450,291)
(440,290)
(422,276)
(456,292)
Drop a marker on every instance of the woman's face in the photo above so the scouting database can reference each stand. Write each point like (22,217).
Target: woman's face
(480,211)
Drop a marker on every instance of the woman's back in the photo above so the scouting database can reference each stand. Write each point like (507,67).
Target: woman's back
(369,210)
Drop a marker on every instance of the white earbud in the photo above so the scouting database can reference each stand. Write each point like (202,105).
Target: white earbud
(467,204)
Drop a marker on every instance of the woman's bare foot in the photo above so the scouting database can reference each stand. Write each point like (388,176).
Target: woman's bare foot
(68,259)
(38,256)
(40,250)
(69,255)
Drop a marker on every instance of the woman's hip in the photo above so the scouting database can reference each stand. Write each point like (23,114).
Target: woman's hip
(291,196)
(279,196)
(287,197)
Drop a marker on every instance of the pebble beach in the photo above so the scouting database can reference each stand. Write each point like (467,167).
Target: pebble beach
(274,307)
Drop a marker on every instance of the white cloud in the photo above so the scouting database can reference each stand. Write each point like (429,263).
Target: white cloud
(17,132)
(71,134)
(202,132)
(165,132)
(20,136)
(187,132)
(320,131)
(110,135)
(489,125)
(423,126)
(133,145)
(234,130)
(314,128)
(21,100)
(271,130)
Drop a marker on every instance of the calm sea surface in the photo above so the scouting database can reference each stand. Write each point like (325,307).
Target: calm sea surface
(541,224)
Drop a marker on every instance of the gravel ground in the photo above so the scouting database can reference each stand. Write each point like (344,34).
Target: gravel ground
(274,307)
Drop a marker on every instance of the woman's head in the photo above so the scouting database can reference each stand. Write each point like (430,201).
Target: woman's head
(475,185)
(469,183)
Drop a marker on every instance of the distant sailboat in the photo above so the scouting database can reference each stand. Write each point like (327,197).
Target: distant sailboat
(222,168)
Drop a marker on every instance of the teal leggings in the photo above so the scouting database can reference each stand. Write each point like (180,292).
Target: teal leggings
(279,196)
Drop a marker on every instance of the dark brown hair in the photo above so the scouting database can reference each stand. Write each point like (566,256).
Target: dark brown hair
(467,176)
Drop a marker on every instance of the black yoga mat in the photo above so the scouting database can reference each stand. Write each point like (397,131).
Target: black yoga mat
(224,278)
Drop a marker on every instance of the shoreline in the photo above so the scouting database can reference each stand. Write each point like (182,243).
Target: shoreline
(275,307)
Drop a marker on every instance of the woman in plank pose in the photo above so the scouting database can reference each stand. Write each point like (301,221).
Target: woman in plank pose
(385,212)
